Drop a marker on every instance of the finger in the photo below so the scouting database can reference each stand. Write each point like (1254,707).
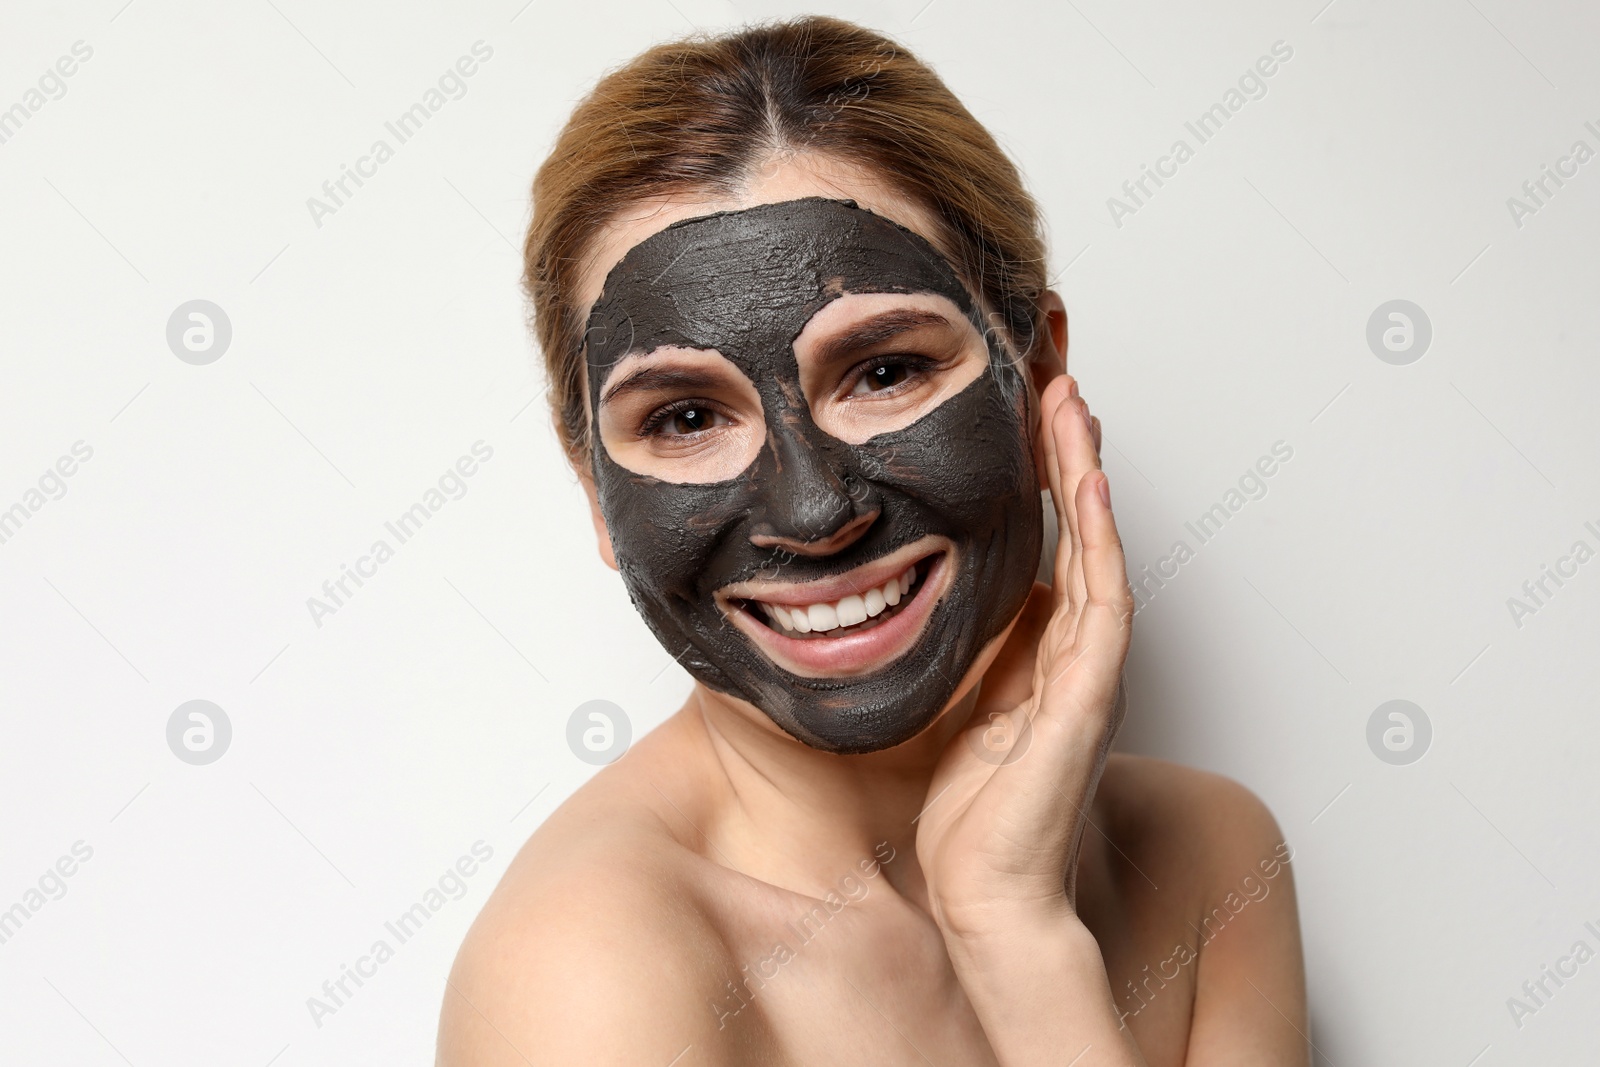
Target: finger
(1075,457)
(1106,621)
(1067,579)
(1079,705)
(1056,399)
(1056,394)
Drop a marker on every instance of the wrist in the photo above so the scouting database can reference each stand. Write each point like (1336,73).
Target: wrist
(997,921)
(1003,938)
(1037,983)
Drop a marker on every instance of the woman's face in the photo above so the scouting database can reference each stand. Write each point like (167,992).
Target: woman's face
(813,462)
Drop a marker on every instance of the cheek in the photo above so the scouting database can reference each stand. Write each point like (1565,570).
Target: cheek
(665,535)
(650,521)
(972,456)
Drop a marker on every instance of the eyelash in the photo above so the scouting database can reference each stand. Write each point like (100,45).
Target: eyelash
(665,413)
(914,364)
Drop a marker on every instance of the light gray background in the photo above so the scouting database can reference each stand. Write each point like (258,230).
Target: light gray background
(429,713)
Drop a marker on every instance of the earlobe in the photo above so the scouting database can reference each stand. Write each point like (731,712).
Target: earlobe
(601,532)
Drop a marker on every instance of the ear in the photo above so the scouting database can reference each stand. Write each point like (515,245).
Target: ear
(1050,359)
(601,533)
(1047,363)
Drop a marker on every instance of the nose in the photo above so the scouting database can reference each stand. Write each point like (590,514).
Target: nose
(814,507)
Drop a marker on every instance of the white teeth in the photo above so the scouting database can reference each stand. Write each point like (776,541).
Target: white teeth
(848,611)
(824,617)
(851,610)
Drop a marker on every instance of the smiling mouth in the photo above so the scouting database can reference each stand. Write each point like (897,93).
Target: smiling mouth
(849,625)
(848,615)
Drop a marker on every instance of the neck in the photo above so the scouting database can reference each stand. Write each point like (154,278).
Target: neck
(802,818)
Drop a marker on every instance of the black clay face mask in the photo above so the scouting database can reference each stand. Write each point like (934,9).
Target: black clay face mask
(745,283)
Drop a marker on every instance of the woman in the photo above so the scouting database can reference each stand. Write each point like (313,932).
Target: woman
(791,297)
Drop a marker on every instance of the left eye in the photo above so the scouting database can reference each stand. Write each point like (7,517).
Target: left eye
(885,376)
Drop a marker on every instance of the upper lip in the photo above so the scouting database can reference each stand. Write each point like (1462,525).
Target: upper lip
(853,582)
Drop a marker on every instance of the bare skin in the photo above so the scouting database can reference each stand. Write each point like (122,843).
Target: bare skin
(726,895)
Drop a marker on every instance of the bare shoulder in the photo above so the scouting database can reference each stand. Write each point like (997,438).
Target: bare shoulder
(1190,820)
(594,948)
(1216,846)
(1203,836)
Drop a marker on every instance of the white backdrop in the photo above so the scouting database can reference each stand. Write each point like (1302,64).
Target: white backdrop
(417,721)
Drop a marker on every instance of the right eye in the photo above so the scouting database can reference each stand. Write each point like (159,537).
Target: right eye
(683,419)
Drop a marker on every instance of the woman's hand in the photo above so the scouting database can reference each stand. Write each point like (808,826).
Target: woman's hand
(1007,808)
(1000,837)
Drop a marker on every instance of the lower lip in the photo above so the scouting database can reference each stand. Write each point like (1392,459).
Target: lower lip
(854,653)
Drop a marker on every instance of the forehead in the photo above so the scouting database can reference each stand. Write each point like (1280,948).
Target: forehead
(764,258)
(794,177)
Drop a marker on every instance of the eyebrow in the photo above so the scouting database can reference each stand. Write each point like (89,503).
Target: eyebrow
(658,377)
(876,330)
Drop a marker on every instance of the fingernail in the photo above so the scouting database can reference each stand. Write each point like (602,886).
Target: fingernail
(1105,491)
(1072,387)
